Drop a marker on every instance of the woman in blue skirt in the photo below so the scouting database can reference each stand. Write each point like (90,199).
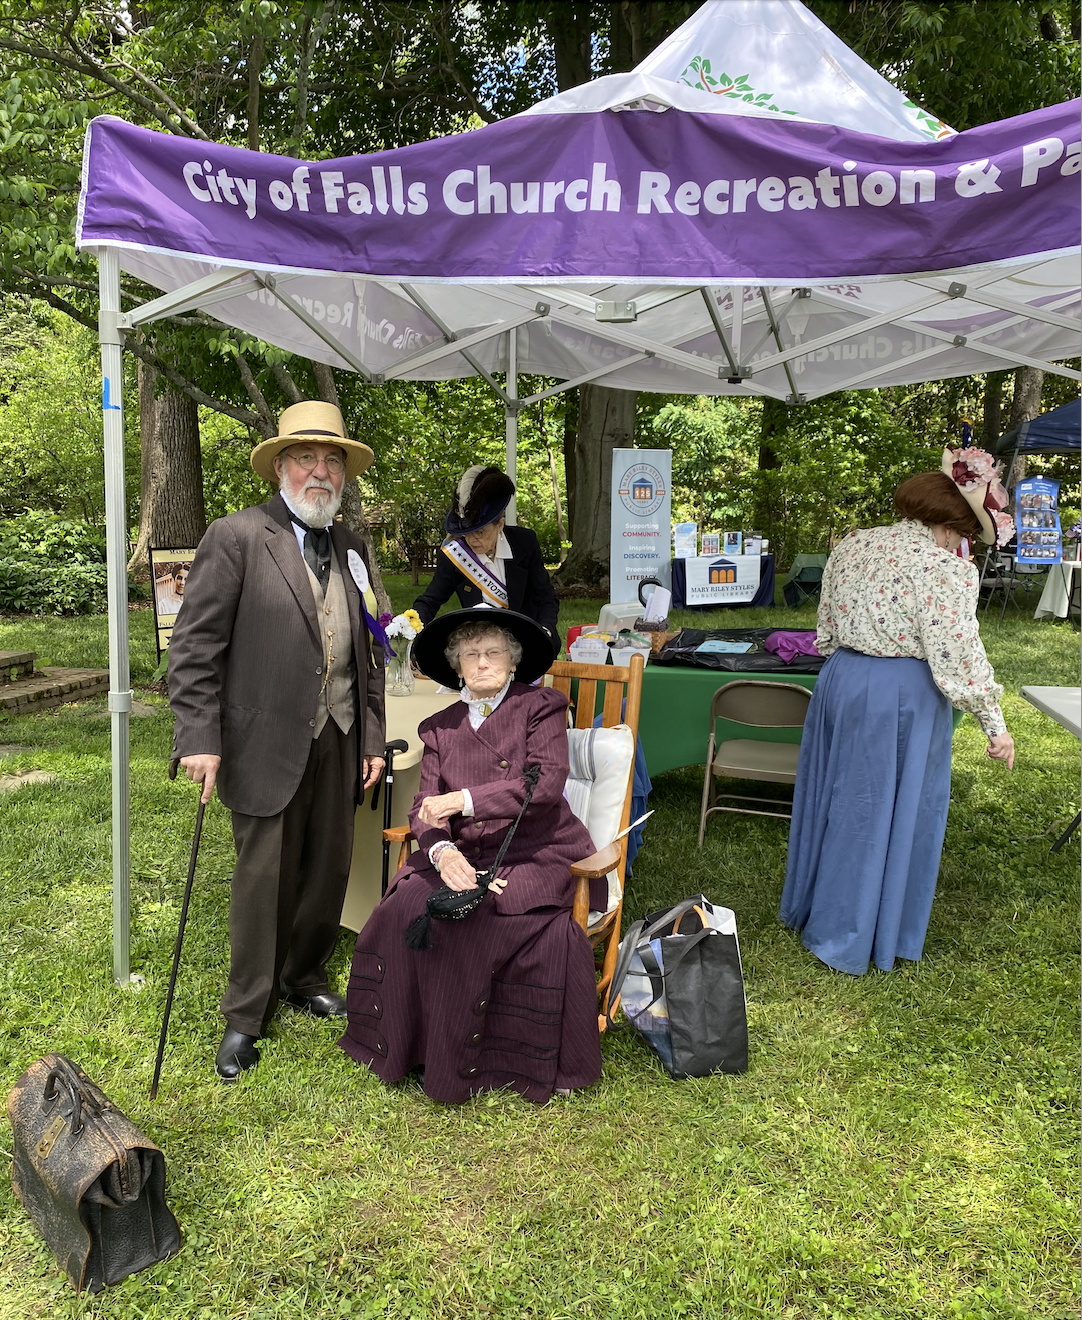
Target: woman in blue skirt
(897,621)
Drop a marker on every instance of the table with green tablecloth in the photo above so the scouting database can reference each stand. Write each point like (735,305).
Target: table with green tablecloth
(674,721)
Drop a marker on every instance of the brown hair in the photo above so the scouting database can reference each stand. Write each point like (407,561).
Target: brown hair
(933,499)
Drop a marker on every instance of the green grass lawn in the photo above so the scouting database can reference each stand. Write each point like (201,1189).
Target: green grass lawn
(902,1146)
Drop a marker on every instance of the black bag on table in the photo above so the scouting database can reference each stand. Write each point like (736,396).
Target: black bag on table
(93,1184)
(684,649)
(682,988)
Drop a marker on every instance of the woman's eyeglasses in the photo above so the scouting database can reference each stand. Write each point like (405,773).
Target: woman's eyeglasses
(490,656)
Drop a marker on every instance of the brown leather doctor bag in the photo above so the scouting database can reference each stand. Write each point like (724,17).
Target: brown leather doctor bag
(92,1183)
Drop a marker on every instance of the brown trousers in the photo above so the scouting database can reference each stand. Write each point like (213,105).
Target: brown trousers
(288,886)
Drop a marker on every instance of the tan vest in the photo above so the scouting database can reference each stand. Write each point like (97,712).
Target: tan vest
(339,669)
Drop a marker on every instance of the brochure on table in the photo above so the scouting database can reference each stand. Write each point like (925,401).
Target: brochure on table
(640,535)
(1036,519)
(722,579)
(683,540)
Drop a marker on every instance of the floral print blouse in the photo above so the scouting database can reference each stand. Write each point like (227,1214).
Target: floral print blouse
(891,591)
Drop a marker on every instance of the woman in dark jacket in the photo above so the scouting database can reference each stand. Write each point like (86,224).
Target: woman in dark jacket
(486,562)
(505,996)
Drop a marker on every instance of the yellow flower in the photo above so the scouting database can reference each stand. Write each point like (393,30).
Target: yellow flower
(414,619)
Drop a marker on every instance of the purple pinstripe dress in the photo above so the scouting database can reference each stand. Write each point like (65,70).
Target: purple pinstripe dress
(505,997)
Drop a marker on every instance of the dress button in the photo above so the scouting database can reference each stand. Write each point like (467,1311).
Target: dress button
(311,724)
(475,1037)
(319,669)
(503,765)
(472,1072)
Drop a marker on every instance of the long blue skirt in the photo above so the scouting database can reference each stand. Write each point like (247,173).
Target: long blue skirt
(869,812)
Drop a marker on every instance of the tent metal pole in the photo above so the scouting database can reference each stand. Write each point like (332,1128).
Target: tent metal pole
(599,374)
(510,416)
(449,335)
(116,527)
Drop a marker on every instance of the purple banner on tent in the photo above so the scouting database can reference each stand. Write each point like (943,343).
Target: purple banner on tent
(628,195)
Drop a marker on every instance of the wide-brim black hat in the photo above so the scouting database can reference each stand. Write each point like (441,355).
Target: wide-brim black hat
(480,497)
(428,649)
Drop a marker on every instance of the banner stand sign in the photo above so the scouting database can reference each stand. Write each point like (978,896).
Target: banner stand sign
(169,568)
(1040,537)
(641,520)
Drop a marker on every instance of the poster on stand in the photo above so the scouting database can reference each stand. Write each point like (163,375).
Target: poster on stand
(726,580)
(640,535)
(1036,520)
(169,570)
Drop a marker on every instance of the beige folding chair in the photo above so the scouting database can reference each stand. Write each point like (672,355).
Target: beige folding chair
(755,703)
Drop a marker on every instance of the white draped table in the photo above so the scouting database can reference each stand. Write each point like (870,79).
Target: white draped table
(365,873)
(1060,590)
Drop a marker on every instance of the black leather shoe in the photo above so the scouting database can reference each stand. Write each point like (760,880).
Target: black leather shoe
(236,1054)
(326,1005)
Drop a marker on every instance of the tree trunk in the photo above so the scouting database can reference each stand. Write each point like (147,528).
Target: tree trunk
(354,519)
(606,422)
(353,514)
(553,473)
(171,509)
(767,514)
(992,426)
(1026,404)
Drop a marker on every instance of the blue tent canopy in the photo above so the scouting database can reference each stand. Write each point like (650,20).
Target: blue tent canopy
(1055,432)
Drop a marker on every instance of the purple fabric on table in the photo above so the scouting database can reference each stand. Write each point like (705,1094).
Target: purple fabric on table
(788,645)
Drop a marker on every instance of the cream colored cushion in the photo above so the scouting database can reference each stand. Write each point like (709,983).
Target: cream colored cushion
(601,764)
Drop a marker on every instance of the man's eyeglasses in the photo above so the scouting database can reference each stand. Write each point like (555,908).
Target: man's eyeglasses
(309,461)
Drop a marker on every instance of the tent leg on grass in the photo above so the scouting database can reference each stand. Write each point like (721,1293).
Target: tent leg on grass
(116,524)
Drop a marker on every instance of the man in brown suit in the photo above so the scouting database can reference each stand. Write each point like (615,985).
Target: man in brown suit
(276,681)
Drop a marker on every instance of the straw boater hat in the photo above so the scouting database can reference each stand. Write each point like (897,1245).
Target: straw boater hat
(976,474)
(428,649)
(311,420)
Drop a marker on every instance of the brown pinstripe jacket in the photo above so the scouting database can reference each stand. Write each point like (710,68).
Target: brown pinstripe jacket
(245,659)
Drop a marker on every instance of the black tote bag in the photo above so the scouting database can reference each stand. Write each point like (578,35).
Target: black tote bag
(682,987)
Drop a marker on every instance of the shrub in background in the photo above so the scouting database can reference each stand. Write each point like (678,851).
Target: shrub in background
(49,565)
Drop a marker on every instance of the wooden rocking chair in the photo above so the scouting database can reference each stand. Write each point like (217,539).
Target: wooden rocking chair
(619,684)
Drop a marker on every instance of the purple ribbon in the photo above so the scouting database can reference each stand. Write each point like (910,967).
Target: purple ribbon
(378,632)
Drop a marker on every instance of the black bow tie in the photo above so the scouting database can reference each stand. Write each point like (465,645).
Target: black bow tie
(317,550)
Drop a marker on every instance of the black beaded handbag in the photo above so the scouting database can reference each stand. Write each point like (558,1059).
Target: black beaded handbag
(445,904)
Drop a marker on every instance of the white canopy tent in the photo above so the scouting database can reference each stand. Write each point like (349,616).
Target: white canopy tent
(669,237)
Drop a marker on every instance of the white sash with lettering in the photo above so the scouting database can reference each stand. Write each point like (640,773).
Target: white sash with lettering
(459,553)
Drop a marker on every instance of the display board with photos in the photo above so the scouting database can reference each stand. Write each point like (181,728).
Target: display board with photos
(169,568)
(1036,518)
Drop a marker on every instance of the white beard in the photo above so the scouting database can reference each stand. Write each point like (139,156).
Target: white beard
(315,512)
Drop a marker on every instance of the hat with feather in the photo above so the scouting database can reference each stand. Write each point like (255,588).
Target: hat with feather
(480,497)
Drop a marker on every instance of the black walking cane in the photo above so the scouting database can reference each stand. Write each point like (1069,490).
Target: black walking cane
(398,745)
(180,936)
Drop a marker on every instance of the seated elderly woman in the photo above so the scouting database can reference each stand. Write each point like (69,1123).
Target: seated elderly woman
(504,996)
